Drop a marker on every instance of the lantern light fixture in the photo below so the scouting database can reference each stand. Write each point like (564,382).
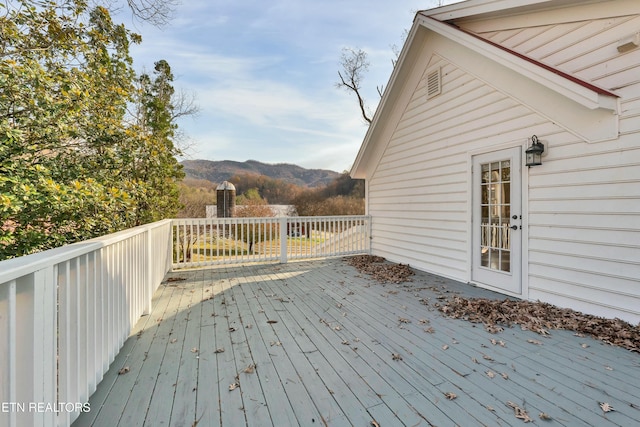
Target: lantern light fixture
(534,153)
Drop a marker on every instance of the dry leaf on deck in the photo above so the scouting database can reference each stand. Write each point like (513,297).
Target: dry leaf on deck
(505,376)
(276,343)
(490,374)
(544,416)
(450,395)
(233,386)
(374,423)
(403,320)
(489,358)
(249,369)
(173,340)
(396,356)
(536,342)
(124,370)
(445,347)
(194,350)
(606,407)
(429,330)
(219,350)
(520,413)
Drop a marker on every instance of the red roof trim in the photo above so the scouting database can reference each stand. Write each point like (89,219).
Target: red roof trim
(562,74)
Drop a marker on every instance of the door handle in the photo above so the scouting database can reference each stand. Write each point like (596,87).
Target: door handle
(514,227)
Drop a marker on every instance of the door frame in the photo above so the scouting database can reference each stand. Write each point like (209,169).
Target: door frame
(524,184)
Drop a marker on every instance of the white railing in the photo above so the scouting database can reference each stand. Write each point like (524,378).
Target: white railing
(64,315)
(210,241)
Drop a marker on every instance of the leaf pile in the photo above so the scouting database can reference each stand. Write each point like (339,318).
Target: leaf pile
(379,269)
(541,317)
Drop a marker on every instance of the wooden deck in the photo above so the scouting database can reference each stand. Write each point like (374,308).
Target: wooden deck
(318,344)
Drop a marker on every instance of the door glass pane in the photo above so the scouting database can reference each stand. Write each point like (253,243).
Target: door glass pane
(495,209)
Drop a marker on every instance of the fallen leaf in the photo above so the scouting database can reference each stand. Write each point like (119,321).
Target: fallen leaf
(445,347)
(584,345)
(404,320)
(194,350)
(249,369)
(429,330)
(374,423)
(124,370)
(450,395)
(232,329)
(490,374)
(173,341)
(505,376)
(606,407)
(396,356)
(423,321)
(608,368)
(249,326)
(544,416)
(491,408)
(276,343)
(474,360)
(486,357)
(233,386)
(536,342)
(337,328)
(520,413)
(219,350)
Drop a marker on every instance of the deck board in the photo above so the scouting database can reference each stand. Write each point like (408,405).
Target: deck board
(319,338)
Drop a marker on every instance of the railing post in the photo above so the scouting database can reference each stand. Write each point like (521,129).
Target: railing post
(148,285)
(283,239)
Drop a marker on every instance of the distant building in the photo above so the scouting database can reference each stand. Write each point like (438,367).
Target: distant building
(278,210)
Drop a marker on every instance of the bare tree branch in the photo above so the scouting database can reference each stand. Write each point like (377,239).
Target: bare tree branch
(157,12)
(354,64)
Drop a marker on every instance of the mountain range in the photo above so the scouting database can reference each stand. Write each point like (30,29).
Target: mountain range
(223,170)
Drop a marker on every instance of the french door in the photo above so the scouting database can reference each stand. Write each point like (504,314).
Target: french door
(497,219)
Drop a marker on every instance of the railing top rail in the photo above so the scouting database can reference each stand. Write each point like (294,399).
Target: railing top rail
(14,268)
(273,218)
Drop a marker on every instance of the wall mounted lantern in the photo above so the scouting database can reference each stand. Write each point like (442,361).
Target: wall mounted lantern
(534,153)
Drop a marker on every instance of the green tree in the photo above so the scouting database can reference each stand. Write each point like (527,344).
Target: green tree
(153,165)
(68,156)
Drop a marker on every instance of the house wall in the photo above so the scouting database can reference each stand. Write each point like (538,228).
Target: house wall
(582,205)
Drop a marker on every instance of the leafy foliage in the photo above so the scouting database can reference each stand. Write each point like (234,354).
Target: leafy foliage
(72,164)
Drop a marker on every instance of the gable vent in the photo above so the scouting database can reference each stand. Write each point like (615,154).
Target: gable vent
(434,84)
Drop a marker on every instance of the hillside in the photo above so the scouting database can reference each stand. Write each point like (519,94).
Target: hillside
(223,170)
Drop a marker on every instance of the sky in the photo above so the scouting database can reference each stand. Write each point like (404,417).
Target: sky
(264,74)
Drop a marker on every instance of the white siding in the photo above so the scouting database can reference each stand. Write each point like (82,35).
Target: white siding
(583,236)
(418,196)
(584,203)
